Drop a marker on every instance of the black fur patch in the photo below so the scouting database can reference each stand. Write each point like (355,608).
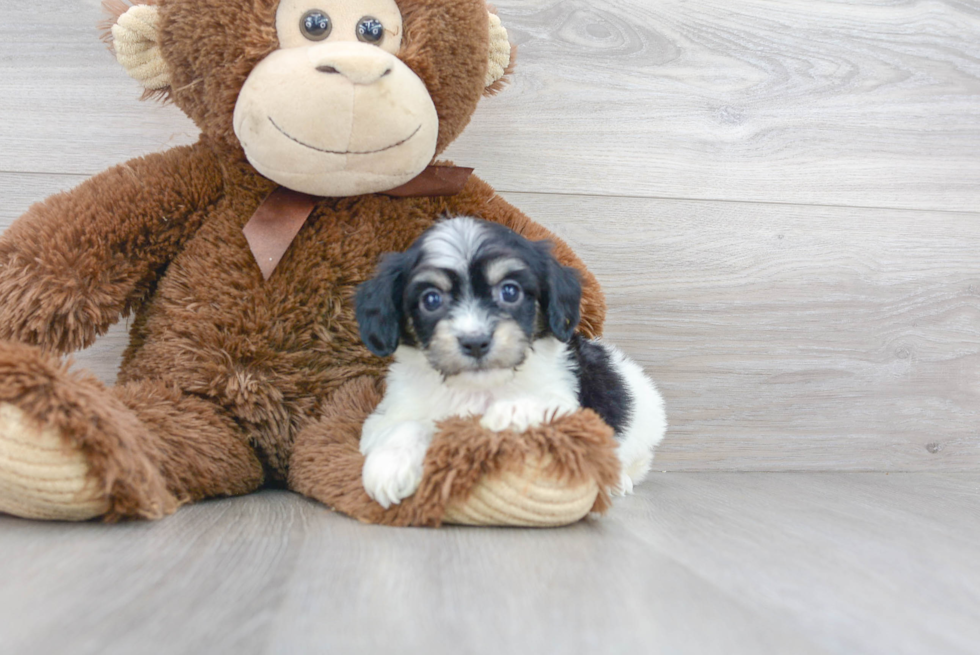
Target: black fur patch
(556,288)
(603,389)
(377,304)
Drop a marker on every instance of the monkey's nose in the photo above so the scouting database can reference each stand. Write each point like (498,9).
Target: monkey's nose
(476,346)
(361,65)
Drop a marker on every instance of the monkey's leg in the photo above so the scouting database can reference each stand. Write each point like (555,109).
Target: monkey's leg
(550,475)
(72,449)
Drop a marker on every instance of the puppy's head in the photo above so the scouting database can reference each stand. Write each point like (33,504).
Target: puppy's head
(472,295)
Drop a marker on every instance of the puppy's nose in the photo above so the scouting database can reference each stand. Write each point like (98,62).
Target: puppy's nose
(476,345)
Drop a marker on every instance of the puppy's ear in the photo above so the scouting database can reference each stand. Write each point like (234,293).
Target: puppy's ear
(378,305)
(564,297)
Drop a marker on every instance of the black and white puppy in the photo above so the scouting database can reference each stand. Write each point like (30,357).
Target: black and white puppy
(482,323)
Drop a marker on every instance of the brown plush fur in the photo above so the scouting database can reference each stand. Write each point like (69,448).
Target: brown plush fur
(580,447)
(225,369)
(91,420)
(73,264)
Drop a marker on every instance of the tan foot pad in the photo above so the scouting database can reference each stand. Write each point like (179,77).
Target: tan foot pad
(41,477)
(528,499)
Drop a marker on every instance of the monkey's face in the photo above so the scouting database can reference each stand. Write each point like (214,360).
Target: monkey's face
(330,97)
(333,111)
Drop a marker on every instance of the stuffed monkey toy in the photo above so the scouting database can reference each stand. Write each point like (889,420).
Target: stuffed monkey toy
(238,259)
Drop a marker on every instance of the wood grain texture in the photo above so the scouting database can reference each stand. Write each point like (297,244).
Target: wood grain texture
(703,563)
(868,104)
(67,106)
(792,337)
(873,103)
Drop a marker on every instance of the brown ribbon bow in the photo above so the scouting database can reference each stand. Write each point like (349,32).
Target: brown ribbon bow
(279,218)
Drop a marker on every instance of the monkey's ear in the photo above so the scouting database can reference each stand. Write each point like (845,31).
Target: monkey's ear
(502,55)
(133,37)
(377,306)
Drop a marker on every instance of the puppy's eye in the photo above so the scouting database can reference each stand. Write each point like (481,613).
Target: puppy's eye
(370,30)
(431,300)
(510,293)
(315,25)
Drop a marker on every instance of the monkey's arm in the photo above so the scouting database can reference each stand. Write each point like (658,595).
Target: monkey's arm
(74,263)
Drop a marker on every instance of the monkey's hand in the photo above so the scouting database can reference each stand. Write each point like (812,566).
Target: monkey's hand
(73,264)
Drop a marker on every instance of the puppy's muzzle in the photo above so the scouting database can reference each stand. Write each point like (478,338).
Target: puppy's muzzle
(475,345)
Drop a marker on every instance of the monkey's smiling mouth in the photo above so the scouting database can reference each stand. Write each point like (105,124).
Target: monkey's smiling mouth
(342,152)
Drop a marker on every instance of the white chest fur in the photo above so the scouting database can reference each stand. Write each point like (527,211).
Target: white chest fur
(544,384)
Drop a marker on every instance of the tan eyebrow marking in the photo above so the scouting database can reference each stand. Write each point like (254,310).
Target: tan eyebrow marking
(498,269)
(435,277)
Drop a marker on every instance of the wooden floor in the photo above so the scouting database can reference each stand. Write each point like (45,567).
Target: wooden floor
(782,201)
(695,563)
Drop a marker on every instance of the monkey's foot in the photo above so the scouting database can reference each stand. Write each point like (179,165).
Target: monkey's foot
(41,475)
(528,498)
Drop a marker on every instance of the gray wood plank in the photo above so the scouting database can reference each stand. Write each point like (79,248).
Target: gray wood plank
(694,563)
(845,558)
(869,104)
(792,337)
(67,106)
(586,590)
(205,581)
(864,103)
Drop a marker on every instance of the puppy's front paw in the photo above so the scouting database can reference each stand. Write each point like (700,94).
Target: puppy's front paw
(516,414)
(519,415)
(625,485)
(393,471)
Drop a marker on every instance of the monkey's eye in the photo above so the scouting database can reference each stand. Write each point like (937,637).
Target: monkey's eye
(510,293)
(315,25)
(431,300)
(370,30)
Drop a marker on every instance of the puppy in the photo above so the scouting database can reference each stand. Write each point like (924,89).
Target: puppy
(481,322)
